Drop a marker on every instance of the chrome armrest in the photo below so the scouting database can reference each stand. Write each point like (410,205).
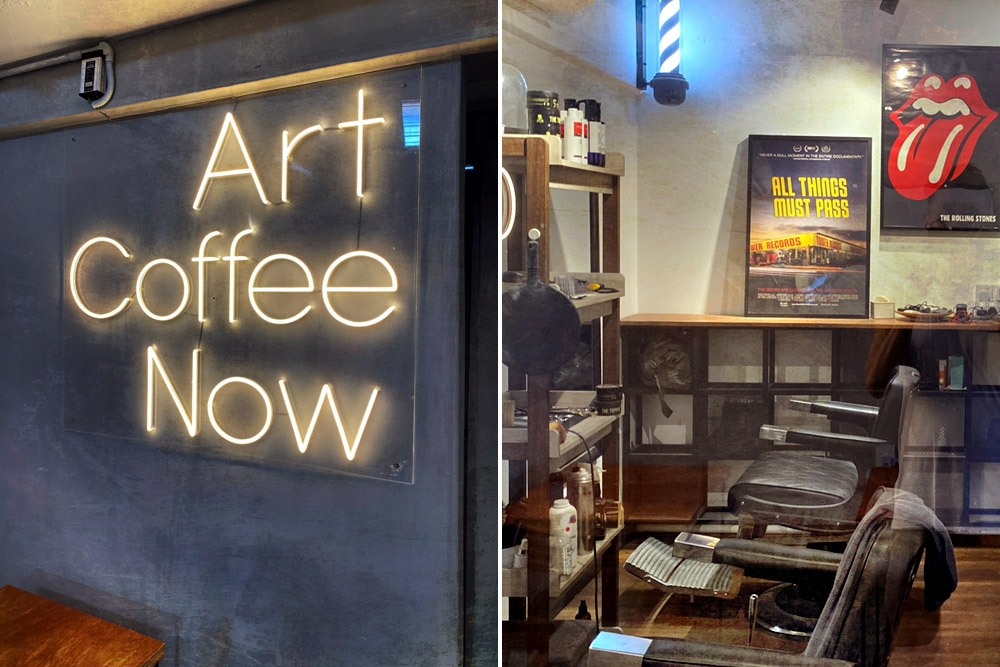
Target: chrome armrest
(778,562)
(824,440)
(832,442)
(854,413)
(771,432)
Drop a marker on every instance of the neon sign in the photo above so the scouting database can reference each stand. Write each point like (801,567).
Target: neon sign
(228,129)
(328,285)
(360,124)
(240,281)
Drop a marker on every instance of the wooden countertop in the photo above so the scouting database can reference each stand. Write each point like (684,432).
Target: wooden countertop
(735,321)
(37,632)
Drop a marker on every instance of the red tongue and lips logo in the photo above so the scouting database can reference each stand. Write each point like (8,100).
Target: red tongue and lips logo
(938,129)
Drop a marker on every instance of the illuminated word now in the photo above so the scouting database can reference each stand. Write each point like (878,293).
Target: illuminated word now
(191,415)
(327,286)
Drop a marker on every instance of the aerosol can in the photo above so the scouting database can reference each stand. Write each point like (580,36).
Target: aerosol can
(580,493)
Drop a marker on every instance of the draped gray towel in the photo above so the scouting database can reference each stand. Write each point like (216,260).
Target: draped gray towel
(904,510)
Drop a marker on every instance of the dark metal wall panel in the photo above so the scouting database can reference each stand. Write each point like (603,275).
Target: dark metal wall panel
(229,561)
(142,196)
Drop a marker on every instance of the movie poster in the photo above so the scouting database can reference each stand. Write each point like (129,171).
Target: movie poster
(808,223)
(940,137)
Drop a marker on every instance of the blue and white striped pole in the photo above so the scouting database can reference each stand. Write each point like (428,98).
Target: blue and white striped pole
(669,85)
(670,36)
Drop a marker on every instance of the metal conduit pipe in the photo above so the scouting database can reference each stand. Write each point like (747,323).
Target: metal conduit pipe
(72,56)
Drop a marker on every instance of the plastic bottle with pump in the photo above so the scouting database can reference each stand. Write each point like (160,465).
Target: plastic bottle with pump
(521,554)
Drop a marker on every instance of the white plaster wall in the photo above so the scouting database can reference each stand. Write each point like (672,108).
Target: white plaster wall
(785,67)
(755,67)
(563,53)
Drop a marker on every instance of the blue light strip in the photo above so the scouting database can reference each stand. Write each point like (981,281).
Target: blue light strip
(411,123)
(670,36)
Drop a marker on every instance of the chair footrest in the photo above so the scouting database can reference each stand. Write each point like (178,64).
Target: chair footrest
(655,562)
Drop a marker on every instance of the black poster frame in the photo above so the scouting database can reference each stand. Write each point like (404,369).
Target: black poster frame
(940,138)
(802,258)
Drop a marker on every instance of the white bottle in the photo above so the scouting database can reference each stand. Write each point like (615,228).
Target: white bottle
(521,554)
(575,137)
(584,139)
(562,537)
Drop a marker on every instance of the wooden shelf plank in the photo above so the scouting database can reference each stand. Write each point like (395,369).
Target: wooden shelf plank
(566,172)
(593,429)
(591,305)
(736,321)
(513,581)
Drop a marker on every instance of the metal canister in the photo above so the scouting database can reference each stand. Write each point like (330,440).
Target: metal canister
(543,112)
(608,399)
(580,493)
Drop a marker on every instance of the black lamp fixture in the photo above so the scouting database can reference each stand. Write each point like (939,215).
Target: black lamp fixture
(888,6)
(669,85)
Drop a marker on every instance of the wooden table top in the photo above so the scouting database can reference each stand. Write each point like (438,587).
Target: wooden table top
(37,632)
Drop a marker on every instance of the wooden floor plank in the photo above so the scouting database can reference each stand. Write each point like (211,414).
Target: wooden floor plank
(964,632)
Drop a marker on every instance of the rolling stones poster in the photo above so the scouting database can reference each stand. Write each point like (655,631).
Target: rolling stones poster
(940,137)
(808,224)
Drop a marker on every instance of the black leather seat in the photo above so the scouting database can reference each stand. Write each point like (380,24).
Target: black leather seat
(567,642)
(871,582)
(820,494)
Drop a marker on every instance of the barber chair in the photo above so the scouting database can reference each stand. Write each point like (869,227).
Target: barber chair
(820,494)
(566,642)
(871,581)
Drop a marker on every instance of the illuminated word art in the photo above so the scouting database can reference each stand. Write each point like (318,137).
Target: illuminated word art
(231,130)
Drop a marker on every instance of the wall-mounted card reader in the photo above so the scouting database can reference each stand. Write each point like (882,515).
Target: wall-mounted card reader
(92,80)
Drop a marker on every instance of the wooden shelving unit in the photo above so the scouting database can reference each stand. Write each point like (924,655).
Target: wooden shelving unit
(536,167)
(561,589)
(949,446)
